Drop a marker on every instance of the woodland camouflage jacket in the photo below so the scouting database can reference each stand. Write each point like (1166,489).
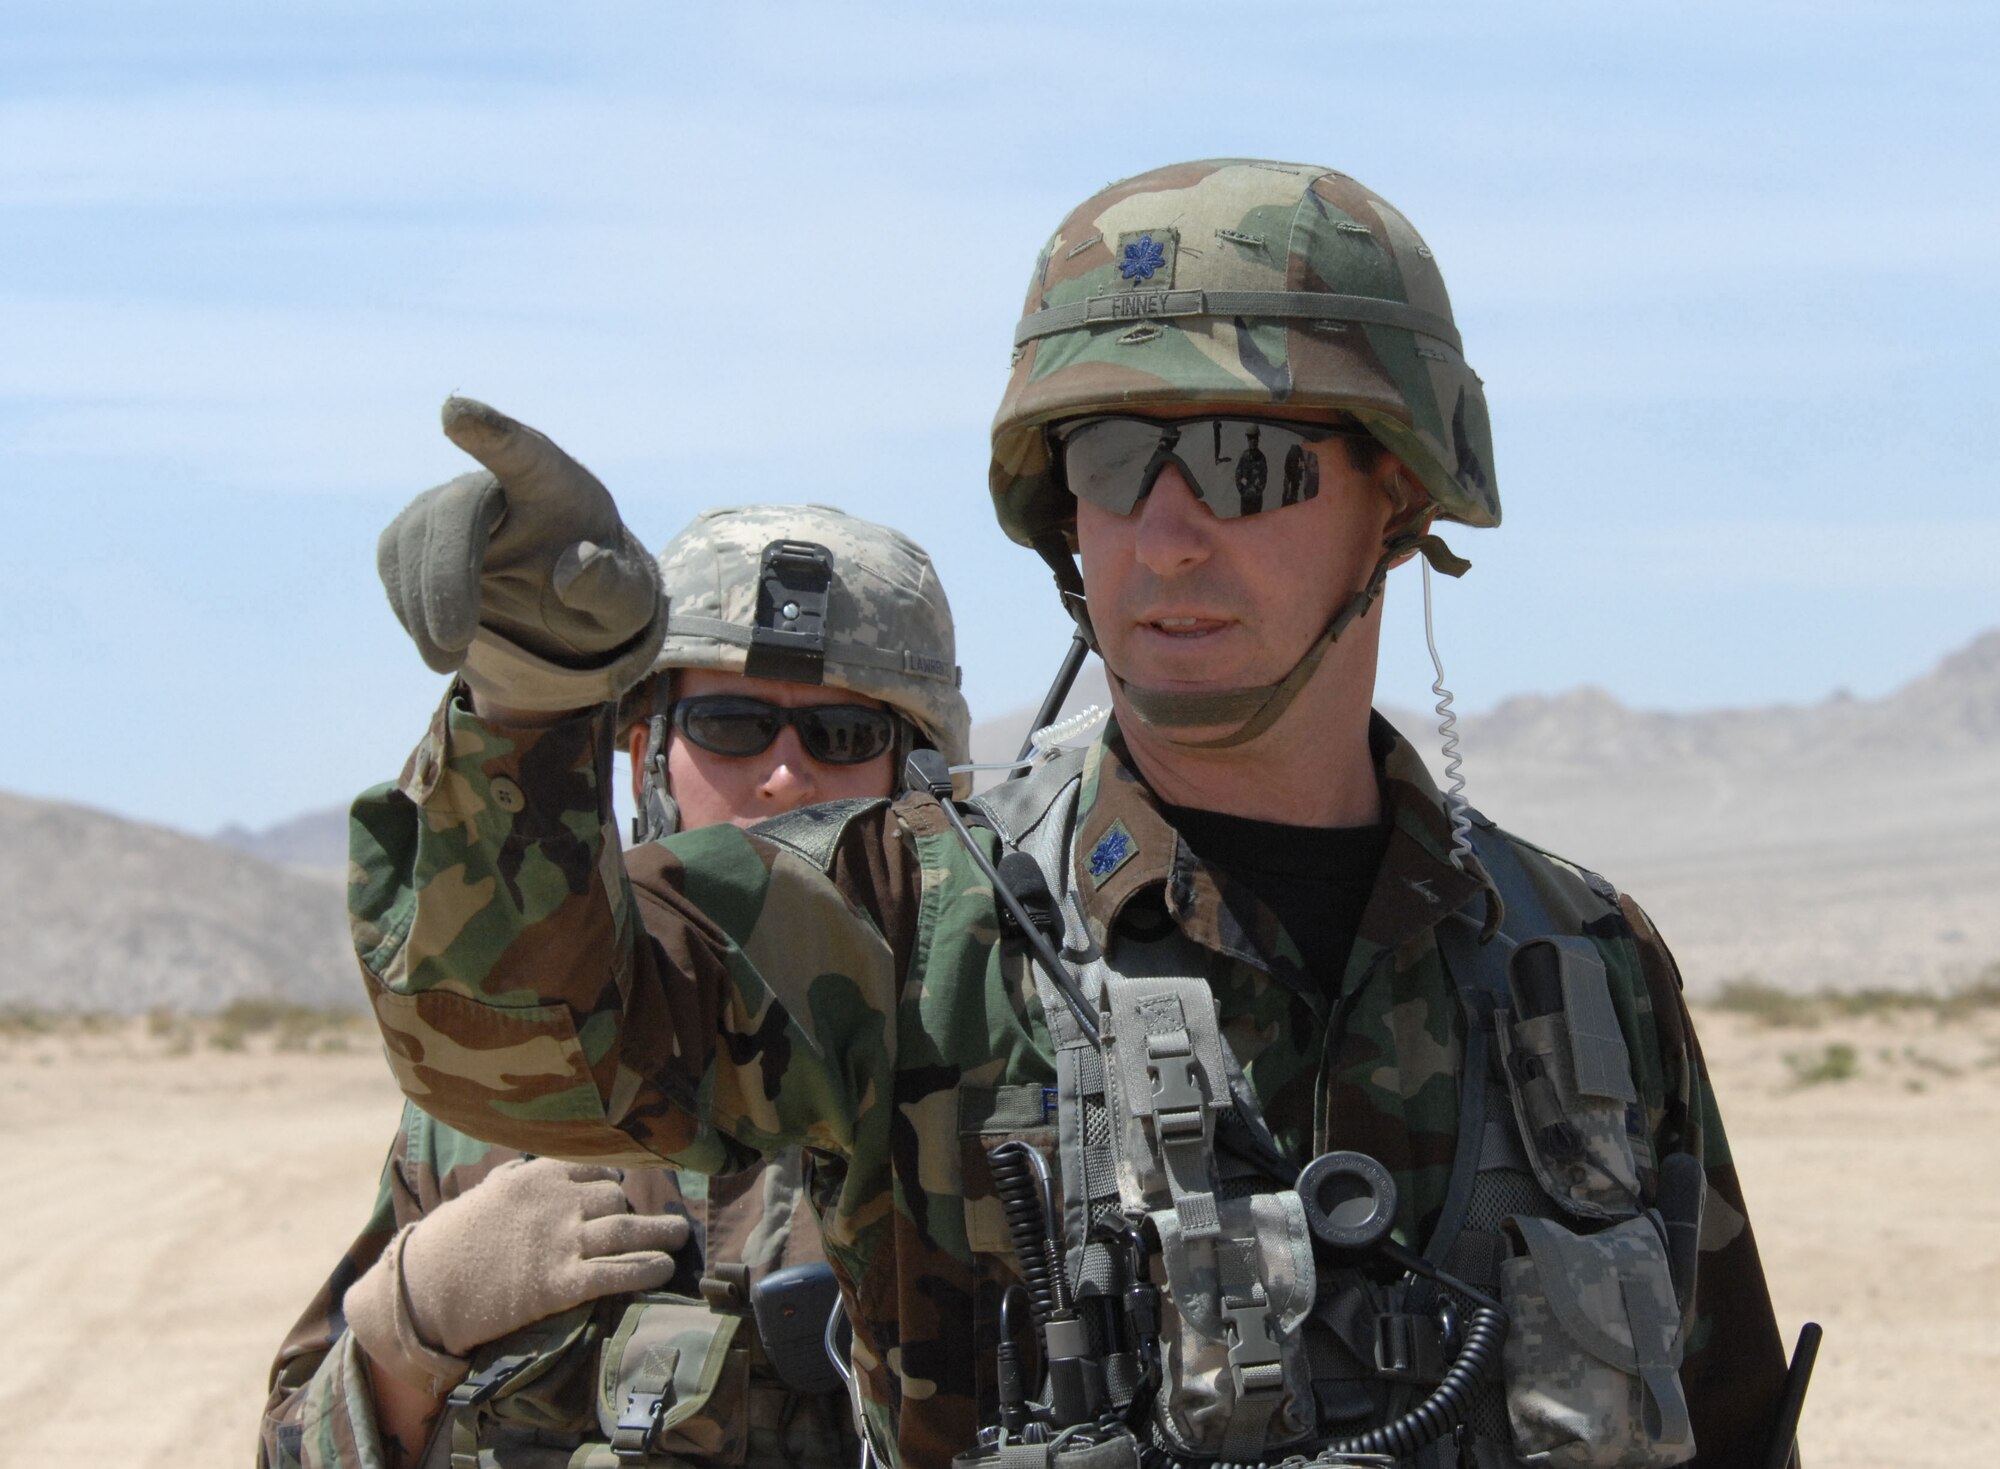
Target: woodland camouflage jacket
(321,1411)
(717,995)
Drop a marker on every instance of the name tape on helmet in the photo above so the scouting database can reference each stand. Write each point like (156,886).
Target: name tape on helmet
(1123,306)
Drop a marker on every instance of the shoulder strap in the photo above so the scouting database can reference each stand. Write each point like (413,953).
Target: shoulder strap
(1478,974)
(1017,809)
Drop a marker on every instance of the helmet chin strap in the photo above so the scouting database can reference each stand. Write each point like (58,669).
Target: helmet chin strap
(1259,707)
(659,815)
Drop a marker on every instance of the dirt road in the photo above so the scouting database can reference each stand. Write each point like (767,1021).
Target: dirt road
(168,1214)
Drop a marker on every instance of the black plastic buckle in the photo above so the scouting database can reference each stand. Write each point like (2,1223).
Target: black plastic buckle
(488,1380)
(788,641)
(639,1421)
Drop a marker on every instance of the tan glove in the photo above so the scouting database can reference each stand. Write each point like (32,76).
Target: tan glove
(521,574)
(534,1237)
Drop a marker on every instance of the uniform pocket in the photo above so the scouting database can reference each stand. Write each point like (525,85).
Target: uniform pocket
(1569,1077)
(989,1116)
(1593,1351)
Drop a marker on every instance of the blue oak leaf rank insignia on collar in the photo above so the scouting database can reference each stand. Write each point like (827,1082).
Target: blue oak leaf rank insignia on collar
(1113,850)
(1143,256)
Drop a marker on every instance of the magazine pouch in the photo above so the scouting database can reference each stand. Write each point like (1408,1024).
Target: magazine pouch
(1593,1352)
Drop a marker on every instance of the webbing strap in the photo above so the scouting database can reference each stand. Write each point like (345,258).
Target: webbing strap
(1163,1049)
(1124,306)
(1655,1343)
(1478,973)
(465,1400)
(904,660)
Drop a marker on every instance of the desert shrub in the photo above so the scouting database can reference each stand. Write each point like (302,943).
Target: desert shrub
(291,1026)
(1835,1061)
(1766,1003)
(20,1022)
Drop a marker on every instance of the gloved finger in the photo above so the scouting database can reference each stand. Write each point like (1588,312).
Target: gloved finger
(429,558)
(625,1233)
(619,1274)
(582,1172)
(618,585)
(600,1199)
(527,462)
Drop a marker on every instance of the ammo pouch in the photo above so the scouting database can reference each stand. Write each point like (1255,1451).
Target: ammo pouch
(1569,1076)
(523,1402)
(1593,1352)
(673,1383)
(1239,1270)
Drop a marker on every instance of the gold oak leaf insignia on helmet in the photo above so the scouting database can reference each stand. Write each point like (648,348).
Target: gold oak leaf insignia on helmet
(1244,283)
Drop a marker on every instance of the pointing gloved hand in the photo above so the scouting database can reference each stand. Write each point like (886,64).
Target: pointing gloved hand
(534,1237)
(521,575)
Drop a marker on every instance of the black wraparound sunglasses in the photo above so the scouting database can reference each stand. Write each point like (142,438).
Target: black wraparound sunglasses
(1236,466)
(834,734)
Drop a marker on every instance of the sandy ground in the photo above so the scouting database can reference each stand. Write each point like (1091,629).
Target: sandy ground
(168,1214)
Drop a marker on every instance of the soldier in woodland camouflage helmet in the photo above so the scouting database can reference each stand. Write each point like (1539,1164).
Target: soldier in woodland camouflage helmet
(1214,1095)
(1256,287)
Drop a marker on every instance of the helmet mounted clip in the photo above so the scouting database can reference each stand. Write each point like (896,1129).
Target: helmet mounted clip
(788,639)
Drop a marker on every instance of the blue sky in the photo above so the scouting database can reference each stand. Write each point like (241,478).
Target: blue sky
(1728,272)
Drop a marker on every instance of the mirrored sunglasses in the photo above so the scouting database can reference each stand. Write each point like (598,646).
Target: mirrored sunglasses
(834,734)
(1236,466)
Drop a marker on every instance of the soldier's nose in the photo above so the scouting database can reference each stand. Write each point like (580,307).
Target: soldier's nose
(1171,536)
(789,780)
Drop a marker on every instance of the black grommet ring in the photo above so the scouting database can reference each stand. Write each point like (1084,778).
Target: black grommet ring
(1350,1200)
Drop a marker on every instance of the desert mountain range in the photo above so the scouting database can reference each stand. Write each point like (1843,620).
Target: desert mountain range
(113,915)
(1844,844)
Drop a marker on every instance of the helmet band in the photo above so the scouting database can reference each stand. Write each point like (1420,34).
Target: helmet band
(1127,306)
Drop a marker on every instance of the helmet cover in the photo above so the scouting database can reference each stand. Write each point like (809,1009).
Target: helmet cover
(1245,284)
(888,626)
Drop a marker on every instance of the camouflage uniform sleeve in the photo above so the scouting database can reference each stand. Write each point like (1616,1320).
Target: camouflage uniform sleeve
(320,1413)
(1735,1364)
(739,1004)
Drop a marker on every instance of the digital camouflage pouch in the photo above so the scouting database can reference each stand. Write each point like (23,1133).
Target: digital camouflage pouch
(1569,1075)
(1593,1353)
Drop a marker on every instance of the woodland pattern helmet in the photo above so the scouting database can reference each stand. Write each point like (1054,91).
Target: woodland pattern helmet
(887,628)
(1241,283)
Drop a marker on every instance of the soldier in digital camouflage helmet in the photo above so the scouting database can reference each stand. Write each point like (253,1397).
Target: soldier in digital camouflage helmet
(530,1285)
(1273,1107)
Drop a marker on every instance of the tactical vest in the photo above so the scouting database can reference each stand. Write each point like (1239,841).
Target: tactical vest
(1180,1222)
(651,1381)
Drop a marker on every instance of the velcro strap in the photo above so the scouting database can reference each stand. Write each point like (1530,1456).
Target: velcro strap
(863,655)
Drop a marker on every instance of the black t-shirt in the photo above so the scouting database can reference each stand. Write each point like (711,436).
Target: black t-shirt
(1316,879)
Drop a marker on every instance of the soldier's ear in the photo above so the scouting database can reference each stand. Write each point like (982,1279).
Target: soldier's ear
(635,746)
(1410,511)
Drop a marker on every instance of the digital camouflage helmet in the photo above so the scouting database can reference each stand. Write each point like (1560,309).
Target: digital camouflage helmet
(811,594)
(1251,285)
